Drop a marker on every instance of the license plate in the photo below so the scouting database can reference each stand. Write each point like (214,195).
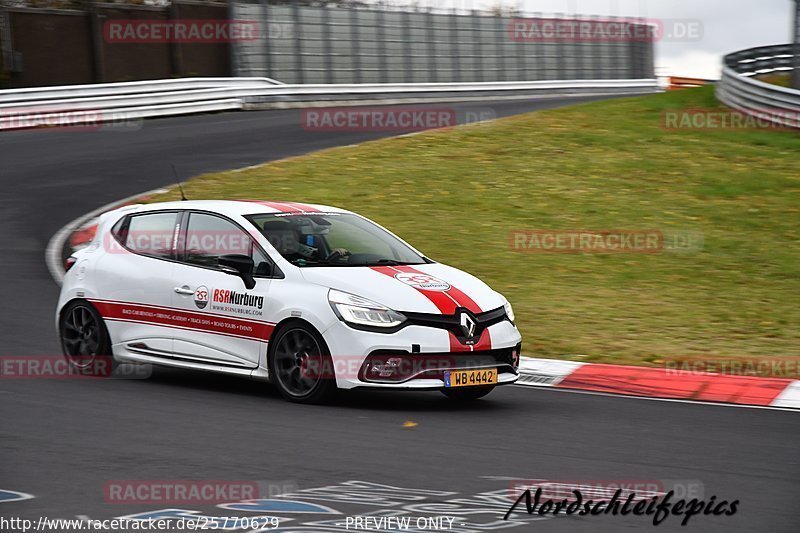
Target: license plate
(470,378)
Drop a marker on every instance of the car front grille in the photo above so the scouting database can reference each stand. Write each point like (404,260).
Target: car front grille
(395,366)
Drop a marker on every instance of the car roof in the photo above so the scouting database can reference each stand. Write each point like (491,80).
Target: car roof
(237,207)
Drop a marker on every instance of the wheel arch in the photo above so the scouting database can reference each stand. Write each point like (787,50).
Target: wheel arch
(290,320)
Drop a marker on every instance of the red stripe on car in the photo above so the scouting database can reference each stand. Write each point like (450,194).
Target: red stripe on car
(285,207)
(302,207)
(456,346)
(445,304)
(457,294)
(278,206)
(485,342)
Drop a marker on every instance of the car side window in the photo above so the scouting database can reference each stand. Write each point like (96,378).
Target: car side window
(149,234)
(209,236)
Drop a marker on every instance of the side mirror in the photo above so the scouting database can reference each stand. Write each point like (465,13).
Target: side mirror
(238,265)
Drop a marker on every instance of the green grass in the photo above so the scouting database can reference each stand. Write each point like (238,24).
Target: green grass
(784,80)
(456,194)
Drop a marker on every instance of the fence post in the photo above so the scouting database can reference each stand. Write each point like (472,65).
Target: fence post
(355,45)
(6,53)
(433,72)
(539,67)
(381,40)
(175,52)
(298,45)
(455,45)
(519,50)
(265,25)
(644,47)
(633,50)
(796,47)
(407,45)
(500,48)
(623,52)
(596,56)
(477,44)
(648,56)
(579,46)
(326,39)
(96,29)
(561,51)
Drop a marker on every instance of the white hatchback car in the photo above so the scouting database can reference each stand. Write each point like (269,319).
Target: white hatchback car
(312,298)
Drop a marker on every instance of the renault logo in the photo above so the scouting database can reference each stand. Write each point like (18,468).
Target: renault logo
(468,325)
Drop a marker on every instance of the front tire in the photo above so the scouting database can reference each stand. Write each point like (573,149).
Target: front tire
(85,341)
(300,364)
(467,394)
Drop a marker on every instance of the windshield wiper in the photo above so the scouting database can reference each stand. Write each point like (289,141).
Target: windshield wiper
(386,262)
(310,262)
(376,262)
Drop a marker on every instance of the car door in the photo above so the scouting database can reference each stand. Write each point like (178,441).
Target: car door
(135,280)
(228,322)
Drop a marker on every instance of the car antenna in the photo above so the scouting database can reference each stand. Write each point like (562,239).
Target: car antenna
(180,188)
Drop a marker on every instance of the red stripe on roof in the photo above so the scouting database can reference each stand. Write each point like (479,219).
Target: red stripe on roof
(302,207)
(283,207)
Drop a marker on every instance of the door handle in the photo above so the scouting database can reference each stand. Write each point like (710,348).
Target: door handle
(184,290)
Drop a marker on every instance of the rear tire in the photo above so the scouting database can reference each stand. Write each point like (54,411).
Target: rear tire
(85,341)
(300,364)
(467,394)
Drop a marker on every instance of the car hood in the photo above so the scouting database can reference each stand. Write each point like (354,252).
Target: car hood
(428,288)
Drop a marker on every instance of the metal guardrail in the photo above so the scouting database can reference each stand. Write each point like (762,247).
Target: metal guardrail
(113,102)
(145,87)
(740,89)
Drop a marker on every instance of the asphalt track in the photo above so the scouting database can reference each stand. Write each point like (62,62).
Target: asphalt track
(62,441)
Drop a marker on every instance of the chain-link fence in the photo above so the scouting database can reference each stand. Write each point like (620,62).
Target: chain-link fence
(301,44)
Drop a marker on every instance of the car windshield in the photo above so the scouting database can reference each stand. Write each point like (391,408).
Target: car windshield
(333,239)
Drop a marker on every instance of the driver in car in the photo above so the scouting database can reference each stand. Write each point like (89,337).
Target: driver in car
(290,242)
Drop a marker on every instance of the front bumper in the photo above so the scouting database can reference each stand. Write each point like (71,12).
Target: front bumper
(424,354)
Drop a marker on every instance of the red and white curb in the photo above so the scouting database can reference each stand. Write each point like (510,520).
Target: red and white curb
(660,383)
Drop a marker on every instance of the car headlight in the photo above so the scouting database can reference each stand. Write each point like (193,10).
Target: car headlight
(357,310)
(509,311)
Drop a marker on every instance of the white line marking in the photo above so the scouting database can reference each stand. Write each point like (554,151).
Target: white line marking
(20,496)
